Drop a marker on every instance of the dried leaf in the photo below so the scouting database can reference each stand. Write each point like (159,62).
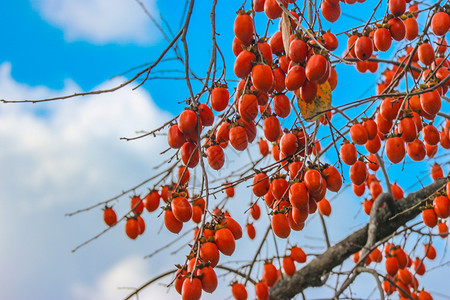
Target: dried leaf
(322,102)
(285,31)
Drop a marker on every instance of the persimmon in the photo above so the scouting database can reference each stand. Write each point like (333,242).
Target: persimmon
(324,207)
(363,48)
(181,209)
(172,223)
(295,77)
(206,114)
(330,11)
(238,138)
(279,188)
(330,41)
(397,29)
(281,105)
(132,228)
(389,108)
(412,28)
(348,153)
(272,9)
(262,77)
(358,134)
(266,51)
(384,126)
(382,39)
(136,204)
(279,78)
(208,278)
(424,295)
(243,63)
(316,67)
(430,251)
(280,225)
(152,200)
(263,147)
(179,279)
(243,27)
(248,107)
(187,121)
(373,145)
(289,144)
(298,254)
(261,184)
(441,206)
(358,172)
(251,232)
(299,195)
(233,226)
(271,128)
(443,230)
(445,140)
(269,274)
(375,189)
(223,133)
(141,224)
(397,191)
(407,128)
(333,178)
(313,180)
(416,150)
(298,51)
(216,157)
(109,216)
(429,217)
(391,265)
(197,213)
(210,253)
(333,78)
(191,289)
(405,276)
(225,241)
(189,154)
(308,91)
(219,98)
(276,152)
(419,266)
(359,190)
(237,46)
(183,175)
(430,135)
(298,217)
(255,211)
(430,102)
(397,7)
(395,149)
(440,23)
(175,138)
(436,171)
(431,150)
(288,265)
(262,290)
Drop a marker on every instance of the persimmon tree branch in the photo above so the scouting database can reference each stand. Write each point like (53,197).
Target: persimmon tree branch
(310,275)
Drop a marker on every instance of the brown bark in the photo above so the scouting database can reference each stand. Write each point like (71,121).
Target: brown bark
(310,275)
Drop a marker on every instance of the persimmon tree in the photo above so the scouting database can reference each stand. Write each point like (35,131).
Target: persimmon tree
(303,147)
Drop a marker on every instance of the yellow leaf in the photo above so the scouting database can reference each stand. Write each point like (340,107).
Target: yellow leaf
(322,102)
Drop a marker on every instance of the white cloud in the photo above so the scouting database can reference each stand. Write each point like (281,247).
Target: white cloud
(57,157)
(49,149)
(101,21)
(120,280)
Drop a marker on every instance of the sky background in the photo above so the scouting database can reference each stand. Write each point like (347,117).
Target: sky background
(62,156)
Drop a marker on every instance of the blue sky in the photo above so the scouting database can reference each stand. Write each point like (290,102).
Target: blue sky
(60,157)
